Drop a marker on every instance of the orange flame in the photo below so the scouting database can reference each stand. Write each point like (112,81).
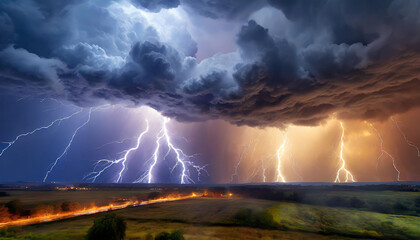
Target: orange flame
(92,210)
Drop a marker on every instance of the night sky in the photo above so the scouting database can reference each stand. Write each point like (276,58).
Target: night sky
(230,91)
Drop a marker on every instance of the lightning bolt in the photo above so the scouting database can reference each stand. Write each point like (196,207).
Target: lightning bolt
(263,166)
(123,160)
(201,170)
(241,157)
(385,152)
(381,144)
(178,152)
(254,173)
(182,159)
(263,174)
(68,145)
(59,120)
(260,168)
(280,153)
(343,161)
(154,157)
(409,143)
(117,142)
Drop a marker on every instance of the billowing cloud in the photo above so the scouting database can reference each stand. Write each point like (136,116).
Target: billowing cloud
(356,59)
(226,9)
(155,6)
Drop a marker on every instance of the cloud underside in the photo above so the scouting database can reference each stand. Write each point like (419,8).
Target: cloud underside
(354,59)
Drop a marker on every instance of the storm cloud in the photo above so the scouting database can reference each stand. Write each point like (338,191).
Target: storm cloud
(355,59)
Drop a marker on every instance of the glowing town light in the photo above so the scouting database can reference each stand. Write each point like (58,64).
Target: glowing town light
(343,168)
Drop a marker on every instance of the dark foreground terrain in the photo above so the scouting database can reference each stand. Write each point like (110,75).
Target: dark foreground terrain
(257,211)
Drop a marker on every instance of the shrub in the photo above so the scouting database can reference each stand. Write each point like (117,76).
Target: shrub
(4,214)
(44,210)
(163,236)
(380,207)
(70,206)
(109,227)
(336,201)
(154,195)
(356,203)
(258,219)
(417,202)
(15,207)
(295,196)
(399,207)
(175,235)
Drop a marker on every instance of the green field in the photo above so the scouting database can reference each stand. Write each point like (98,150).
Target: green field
(217,218)
(197,218)
(346,222)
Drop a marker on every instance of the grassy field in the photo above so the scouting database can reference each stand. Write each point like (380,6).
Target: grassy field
(197,218)
(346,222)
(380,201)
(311,217)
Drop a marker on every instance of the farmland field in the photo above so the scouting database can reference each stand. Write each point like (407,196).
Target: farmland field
(296,213)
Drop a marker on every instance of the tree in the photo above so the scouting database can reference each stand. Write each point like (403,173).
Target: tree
(15,207)
(70,206)
(398,207)
(109,227)
(255,218)
(175,235)
(4,214)
(44,210)
(336,201)
(154,195)
(163,236)
(417,202)
(356,203)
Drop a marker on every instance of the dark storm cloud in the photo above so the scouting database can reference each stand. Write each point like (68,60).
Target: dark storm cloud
(155,6)
(226,9)
(358,59)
